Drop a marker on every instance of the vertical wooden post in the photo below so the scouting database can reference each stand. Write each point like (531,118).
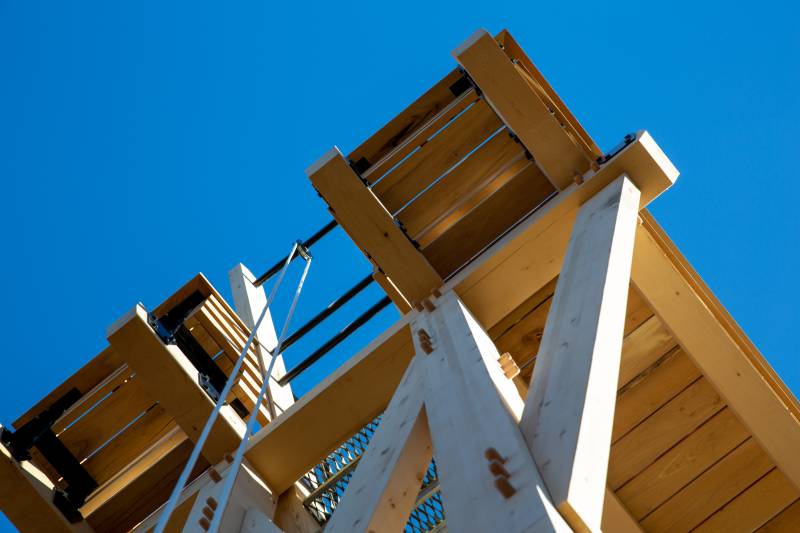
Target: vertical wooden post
(384,488)
(569,410)
(487,476)
(249,301)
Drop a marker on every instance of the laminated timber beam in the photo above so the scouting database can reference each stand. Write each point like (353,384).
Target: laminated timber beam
(170,378)
(719,348)
(569,410)
(372,227)
(26,497)
(540,125)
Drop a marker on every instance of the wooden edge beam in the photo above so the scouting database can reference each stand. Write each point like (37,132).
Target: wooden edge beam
(333,411)
(26,498)
(372,227)
(530,255)
(717,346)
(535,123)
(168,376)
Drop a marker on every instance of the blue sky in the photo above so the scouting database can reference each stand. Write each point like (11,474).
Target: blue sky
(143,142)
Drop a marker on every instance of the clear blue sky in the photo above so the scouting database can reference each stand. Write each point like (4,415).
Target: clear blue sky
(143,142)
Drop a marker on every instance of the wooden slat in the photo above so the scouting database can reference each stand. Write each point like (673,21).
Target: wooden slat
(616,518)
(530,255)
(683,463)
(489,220)
(424,166)
(658,433)
(331,412)
(754,507)
(106,419)
(420,136)
(85,379)
(787,520)
(714,488)
(391,291)
(643,347)
(655,387)
(522,110)
(718,346)
(168,376)
(372,228)
(415,115)
(119,453)
(455,193)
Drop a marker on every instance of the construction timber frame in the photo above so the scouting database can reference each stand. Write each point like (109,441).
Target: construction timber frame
(557,364)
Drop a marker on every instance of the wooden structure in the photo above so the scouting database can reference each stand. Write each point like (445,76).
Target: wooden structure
(556,357)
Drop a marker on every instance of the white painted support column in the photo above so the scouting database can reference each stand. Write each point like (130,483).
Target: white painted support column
(487,476)
(569,410)
(249,300)
(384,487)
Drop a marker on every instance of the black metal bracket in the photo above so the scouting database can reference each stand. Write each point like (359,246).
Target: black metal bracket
(628,139)
(38,433)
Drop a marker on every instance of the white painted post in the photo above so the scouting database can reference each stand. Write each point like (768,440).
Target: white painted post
(487,476)
(569,411)
(388,478)
(249,300)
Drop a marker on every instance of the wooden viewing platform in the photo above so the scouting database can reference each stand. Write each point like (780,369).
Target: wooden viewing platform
(557,364)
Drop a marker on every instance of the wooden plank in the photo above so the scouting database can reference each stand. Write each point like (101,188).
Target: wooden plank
(26,499)
(718,346)
(518,56)
(650,391)
(711,490)
(569,410)
(489,220)
(85,379)
(683,463)
(331,412)
(383,490)
(530,255)
(755,506)
(420,136)
(658,433)
(108,418)
(128,445)
(786,520)
(409,120)
(436,156)
(470,409)
(643,347)
(522,109)
(168,376)
(452,196)
(145,491)
(372,228)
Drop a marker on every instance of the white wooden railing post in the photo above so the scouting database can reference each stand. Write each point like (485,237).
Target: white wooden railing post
(569,410)
(249,300)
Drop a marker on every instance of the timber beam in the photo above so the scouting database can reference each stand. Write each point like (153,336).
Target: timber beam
(170,378)
(362,215)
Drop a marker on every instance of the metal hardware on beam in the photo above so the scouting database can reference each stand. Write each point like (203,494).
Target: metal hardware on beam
(335,341)
(628,139)
(306,244)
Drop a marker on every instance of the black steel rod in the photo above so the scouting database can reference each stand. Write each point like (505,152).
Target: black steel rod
(333,342)
(306,244)
(328,311)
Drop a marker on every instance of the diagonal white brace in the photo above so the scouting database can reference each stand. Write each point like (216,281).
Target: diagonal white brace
(569,411)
